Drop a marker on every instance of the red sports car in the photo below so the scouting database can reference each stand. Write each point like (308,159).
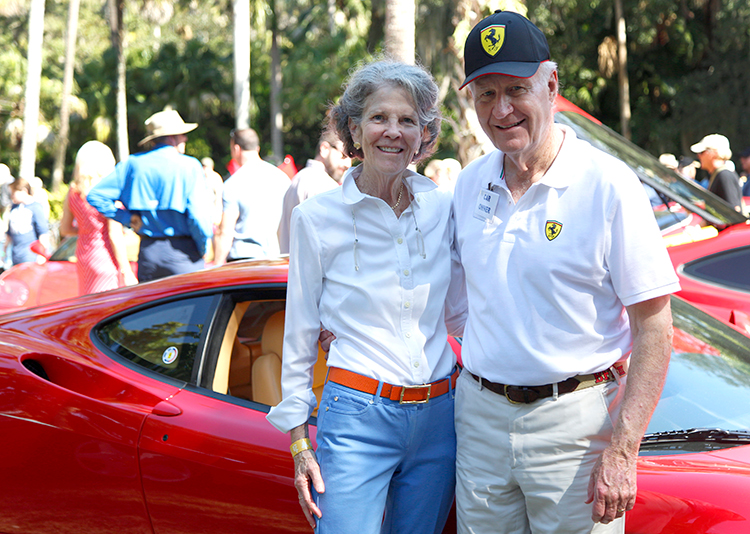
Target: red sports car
(141,410)
(31,284)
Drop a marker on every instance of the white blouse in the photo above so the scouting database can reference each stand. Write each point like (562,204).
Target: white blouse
(377,282)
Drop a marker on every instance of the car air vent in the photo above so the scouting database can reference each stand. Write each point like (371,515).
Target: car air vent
(35,367)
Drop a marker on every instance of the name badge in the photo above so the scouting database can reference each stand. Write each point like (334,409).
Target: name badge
(486,205)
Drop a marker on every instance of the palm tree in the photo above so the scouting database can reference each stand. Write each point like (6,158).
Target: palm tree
(33,85)
(399,29)
(70,54)
(116,11)
(241,10)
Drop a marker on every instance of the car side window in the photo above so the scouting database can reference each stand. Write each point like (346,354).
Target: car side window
(728,268)
(165,338)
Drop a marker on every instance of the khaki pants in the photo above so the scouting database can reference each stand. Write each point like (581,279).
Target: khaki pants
(523,468)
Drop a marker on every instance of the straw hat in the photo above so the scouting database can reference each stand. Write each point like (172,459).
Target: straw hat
(165,123)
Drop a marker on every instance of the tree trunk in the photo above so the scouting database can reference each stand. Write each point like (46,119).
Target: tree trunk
(622,71)
(33,84)
(241,10)
(277,117)
(399,29)
(116,11)
(70,55)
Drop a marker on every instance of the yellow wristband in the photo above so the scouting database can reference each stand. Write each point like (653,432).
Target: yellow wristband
(300,445)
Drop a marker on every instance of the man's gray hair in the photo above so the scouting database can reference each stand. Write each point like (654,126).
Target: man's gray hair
(366,80)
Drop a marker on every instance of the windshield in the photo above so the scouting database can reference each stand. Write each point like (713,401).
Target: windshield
(665,181)
(708,385)
(66,251)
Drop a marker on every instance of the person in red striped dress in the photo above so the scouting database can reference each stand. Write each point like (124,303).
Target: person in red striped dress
(101,254)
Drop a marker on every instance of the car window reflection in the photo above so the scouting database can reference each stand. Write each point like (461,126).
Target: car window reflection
(708,385)
(164,338)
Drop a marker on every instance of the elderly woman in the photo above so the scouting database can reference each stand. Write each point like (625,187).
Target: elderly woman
(371,262)
(101,254)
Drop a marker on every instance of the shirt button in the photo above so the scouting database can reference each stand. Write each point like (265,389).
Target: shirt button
(408,334)
(400,240)
(407,305)
(406,272)
(416,365)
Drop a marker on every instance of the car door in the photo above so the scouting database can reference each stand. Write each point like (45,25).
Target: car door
(70,432)
(209,460)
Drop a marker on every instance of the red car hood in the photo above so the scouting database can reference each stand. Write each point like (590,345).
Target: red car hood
(697,493)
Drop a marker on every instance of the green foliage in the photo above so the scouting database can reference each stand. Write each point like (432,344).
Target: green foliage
(685,65)
(56,201)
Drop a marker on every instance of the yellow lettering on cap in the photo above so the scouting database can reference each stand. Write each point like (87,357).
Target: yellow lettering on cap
(493,38)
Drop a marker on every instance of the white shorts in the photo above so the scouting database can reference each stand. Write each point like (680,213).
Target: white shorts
(523,468)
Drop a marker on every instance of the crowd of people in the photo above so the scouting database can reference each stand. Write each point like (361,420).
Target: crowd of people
(714,157)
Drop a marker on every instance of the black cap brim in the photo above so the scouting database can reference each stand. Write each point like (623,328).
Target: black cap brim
(516,69)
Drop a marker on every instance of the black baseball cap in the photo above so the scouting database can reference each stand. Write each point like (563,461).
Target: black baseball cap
(504,43)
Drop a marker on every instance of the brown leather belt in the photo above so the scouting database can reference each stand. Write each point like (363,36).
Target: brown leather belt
(529,394)
(418,394)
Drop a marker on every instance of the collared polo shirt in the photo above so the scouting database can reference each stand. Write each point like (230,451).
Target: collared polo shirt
(547,278)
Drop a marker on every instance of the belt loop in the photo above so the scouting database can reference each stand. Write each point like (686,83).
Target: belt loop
(451,389)
(615,373)
(377,393)
(555,391)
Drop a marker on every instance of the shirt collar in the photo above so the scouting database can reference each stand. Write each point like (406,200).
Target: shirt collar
(316,164)
(558,176)
(415,183)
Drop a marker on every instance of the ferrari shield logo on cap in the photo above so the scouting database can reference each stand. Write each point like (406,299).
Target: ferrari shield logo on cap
(552,229)
(493,38)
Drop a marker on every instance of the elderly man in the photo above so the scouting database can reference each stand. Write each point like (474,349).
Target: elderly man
(714,154)
(162,194)
(568,335)
(321,174)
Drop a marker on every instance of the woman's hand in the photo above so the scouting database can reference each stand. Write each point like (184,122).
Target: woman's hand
(306,470)
(326,338)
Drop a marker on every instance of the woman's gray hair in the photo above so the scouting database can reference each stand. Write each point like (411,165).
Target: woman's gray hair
(366,80)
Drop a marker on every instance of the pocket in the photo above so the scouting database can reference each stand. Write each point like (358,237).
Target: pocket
(342,402)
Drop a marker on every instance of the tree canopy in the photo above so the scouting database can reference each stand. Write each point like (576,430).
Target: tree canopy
(685,69)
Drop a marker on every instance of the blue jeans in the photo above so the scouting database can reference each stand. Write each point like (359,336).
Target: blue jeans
(387,467)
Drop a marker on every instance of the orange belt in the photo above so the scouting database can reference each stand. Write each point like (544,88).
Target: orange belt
(403,394)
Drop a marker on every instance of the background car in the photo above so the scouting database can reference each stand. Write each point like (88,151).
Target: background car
(715,274)
(708,241)
(31,284)
(144,408)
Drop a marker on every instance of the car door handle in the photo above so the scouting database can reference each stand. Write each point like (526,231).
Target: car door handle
(166,409)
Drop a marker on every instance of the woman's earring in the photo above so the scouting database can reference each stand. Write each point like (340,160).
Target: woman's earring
(357,145)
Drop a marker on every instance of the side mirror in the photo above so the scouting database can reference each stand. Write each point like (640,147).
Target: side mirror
(37,248)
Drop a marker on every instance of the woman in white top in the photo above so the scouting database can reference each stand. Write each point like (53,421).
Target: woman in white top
(371,262)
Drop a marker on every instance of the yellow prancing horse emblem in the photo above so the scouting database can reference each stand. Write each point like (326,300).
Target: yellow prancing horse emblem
(493,38)
(552,229)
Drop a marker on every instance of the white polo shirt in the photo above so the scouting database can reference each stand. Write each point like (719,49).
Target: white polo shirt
(547,279)
(385,303)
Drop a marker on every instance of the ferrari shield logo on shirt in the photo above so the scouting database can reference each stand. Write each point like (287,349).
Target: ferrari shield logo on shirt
(552,229)
(493,38)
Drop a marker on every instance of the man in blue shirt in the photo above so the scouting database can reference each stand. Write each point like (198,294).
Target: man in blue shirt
(162,195)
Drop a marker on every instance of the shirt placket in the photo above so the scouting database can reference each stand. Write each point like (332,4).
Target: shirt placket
(397,228)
